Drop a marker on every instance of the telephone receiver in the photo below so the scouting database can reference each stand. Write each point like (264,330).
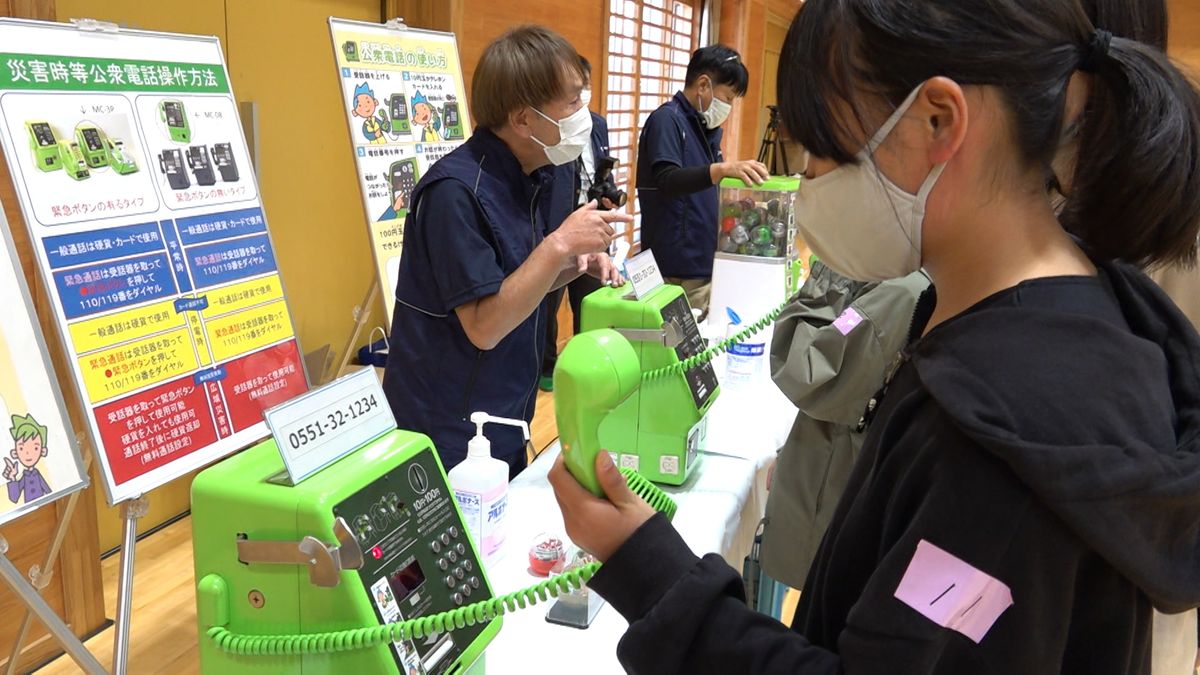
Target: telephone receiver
(596,371)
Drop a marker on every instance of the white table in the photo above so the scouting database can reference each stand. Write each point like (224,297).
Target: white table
(719,509)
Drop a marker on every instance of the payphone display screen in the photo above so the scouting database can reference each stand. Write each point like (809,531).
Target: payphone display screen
(701,379)
(173,161)
(174,113)
(417,559)
(92,138)
(199,156)
(223,153)
(43,134)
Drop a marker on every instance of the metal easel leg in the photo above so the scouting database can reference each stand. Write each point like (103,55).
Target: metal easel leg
(131,512)
(39,577)
(30,598)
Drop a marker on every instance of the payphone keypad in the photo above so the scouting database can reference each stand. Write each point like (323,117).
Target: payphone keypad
(417,560)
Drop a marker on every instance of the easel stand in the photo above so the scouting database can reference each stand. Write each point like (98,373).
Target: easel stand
(131,512)
(30,598)
(361,314)
(39,577)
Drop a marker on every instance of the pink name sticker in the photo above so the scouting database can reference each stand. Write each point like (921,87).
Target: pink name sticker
(848,321)
(952,593)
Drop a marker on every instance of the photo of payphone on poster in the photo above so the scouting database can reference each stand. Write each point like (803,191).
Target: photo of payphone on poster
(145,219)
(406,107)
(41,458)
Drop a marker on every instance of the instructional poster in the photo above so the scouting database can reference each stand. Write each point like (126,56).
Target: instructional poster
(405,102)
(41,458)
(135,181)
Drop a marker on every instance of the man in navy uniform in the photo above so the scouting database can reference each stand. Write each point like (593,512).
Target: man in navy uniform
(680,164)
(484,246)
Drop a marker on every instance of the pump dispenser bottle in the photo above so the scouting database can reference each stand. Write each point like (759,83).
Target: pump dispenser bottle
(480,484)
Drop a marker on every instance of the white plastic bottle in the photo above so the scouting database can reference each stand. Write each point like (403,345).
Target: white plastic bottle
(480,484)
(744,363)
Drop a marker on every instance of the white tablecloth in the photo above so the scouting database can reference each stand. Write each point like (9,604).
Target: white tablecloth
(719,510)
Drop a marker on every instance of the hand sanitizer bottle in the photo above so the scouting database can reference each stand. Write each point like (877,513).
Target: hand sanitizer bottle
(480,484)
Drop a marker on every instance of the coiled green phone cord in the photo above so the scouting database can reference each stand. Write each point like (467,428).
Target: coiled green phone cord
(649,492)
(468,615)
(716,350)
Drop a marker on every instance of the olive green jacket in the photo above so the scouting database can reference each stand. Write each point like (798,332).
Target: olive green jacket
(831,350)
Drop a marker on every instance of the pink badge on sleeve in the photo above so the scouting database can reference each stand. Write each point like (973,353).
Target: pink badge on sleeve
(848,321)
(952,593)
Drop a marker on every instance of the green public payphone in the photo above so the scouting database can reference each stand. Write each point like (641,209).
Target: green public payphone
(44,145)
(173,114)
(73,161)
(118,157)
(373,539)
(398,105)
(91,144)
(660,429)
(452,119)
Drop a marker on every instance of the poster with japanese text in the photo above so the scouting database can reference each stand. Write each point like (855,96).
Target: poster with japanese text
(128,157)
(406,105)
(41,457)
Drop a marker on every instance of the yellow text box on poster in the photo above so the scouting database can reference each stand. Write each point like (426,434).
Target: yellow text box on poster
(133,324)
(243,332)
(240,296)
(119,370)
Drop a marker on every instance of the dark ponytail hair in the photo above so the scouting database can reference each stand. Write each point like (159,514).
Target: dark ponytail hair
(1136,189)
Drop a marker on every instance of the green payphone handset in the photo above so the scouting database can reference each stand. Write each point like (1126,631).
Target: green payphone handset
(399,107)
(350,49)
(596,372)
(452,120)
(172,112)
(72,160)
(43,145)
(118,158)
(91,143)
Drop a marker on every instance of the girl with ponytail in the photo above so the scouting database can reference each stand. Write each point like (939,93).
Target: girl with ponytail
(1028,491)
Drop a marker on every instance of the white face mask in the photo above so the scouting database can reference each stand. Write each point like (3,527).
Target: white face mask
(718,111)
(860,223)
(586,97)
(574,132)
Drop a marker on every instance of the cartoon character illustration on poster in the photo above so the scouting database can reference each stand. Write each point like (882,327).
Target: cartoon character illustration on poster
(425,116)
(366,106)
(29,447)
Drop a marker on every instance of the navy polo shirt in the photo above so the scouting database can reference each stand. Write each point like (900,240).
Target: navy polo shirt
(475,218)
(681,231)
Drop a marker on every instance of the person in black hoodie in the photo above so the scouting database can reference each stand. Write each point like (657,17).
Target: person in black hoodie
(1030,487)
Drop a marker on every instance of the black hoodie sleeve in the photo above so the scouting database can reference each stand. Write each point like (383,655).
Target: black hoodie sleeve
(689,615)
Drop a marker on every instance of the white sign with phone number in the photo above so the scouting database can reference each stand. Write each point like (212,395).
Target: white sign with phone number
(642,272)
(318,428)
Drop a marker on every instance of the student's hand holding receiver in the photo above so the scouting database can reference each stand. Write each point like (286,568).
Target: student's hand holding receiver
(749,171)
(598,526)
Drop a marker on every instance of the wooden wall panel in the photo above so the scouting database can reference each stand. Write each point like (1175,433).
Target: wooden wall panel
(581,23)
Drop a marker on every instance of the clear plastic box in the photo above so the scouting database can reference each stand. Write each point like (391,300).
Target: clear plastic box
(759,221)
